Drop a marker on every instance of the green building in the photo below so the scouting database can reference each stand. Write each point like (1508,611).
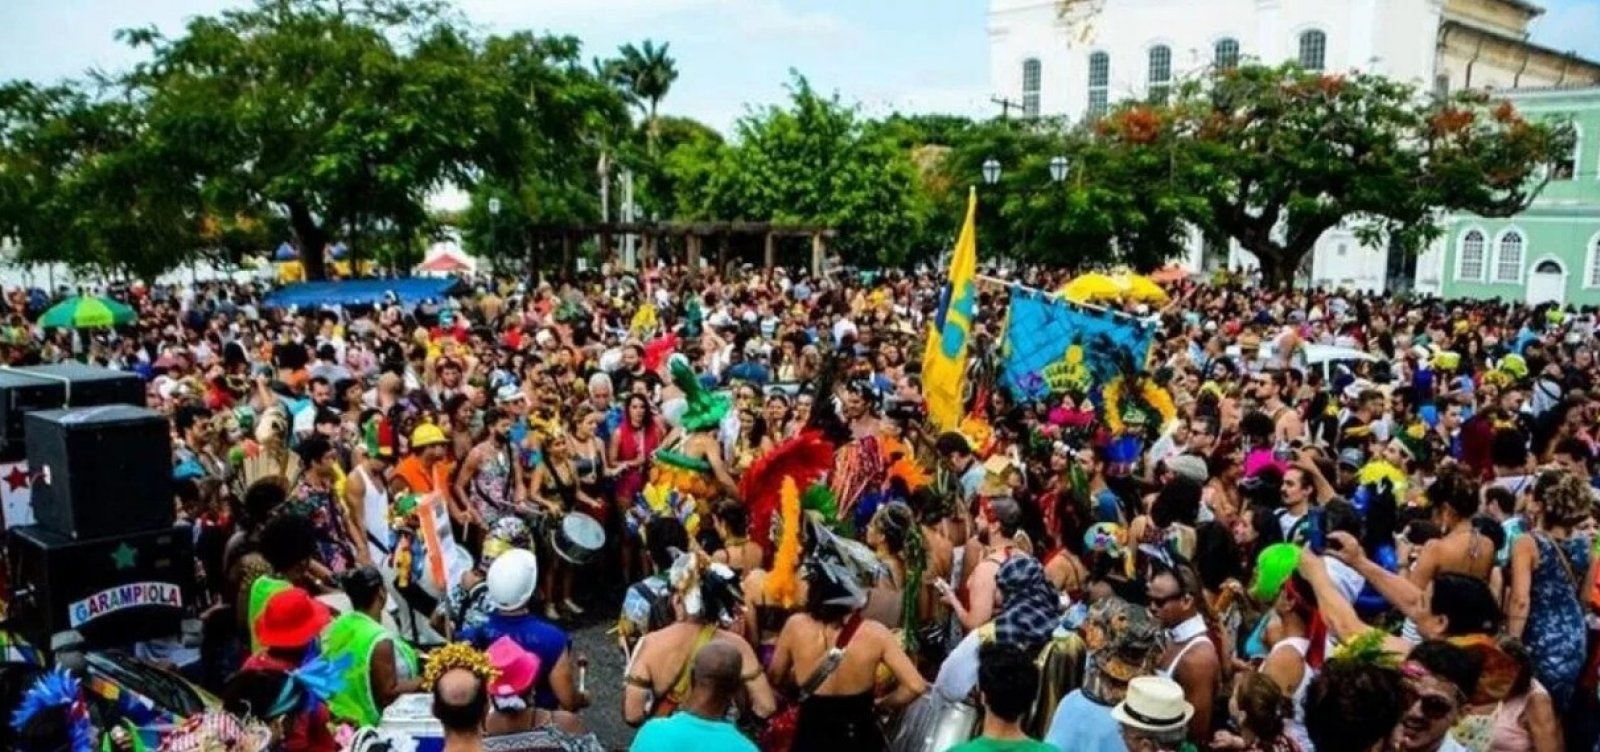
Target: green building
(1551,251)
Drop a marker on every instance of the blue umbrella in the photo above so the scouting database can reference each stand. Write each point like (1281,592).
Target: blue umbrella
(286,252)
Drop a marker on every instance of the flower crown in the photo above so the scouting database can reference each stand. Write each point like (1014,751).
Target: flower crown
(458,655)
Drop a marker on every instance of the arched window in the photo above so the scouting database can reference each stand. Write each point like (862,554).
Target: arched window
(1469,257)
(1030,87)
(1225,55)
(1099,84)
(1313,50)
(1508,258)
(1591,264)
(1160,74)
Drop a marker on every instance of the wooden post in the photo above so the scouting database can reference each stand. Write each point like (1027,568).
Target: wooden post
(722,255)
(647,251)
(770,252)
(817,251)
(566,253)
(693,241)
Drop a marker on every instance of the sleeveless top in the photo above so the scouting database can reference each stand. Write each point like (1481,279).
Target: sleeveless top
(1295,726)
(1501,729)
(565,491)
(1166,673)
(490,487)
(374,514)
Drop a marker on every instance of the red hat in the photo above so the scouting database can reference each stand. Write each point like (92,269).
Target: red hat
(517,668)
(291,619)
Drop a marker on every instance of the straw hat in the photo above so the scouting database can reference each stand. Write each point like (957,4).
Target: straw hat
(1153,703)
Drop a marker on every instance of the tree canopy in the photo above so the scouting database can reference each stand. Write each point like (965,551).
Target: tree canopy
(1275,157)
(325,119)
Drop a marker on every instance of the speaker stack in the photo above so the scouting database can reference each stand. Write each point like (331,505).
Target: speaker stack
(101,555)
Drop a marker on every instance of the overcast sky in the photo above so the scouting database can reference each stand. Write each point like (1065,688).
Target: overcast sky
(913,55)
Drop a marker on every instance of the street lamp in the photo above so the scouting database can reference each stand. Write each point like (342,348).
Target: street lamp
(1059,168)
(991,171)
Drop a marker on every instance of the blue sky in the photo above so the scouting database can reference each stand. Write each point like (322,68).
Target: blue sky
(913,55)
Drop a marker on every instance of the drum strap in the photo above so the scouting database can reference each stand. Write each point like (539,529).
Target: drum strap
(830,661)
(680,688)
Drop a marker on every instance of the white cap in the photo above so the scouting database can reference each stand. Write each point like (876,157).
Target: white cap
(512,578)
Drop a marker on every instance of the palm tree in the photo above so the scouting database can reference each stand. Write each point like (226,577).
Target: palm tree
(646,74)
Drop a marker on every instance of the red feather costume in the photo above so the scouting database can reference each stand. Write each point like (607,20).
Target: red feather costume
(804,458)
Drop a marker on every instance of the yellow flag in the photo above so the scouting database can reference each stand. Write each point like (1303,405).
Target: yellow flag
(945,360)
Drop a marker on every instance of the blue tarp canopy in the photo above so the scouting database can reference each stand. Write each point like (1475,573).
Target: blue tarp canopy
(411,291)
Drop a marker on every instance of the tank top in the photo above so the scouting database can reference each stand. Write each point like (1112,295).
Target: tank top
(1166,673)
(1295,726)
(374,514)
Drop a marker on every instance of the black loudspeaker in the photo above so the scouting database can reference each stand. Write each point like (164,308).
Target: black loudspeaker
(100,471)
(113,591)
(24,390)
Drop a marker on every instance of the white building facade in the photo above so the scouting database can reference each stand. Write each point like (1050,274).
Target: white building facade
(1077,58)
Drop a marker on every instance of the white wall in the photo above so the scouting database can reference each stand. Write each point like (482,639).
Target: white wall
(1392,37)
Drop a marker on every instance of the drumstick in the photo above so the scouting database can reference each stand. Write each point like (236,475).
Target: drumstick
(583,673)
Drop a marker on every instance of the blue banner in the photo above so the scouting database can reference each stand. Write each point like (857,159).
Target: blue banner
(1054,346)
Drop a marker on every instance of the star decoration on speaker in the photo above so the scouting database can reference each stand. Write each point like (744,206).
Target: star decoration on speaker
(17,479)
(124,556)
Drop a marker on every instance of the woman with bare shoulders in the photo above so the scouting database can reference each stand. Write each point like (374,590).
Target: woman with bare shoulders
(732,522)
(831,654)
(1462,549)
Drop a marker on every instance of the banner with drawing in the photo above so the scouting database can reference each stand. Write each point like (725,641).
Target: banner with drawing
(1053,346)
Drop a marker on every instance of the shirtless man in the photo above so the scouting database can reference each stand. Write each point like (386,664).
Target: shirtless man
(657,678)
(1271,389)
(995,542)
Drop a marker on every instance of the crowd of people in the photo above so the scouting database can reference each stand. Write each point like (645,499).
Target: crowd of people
(1390,551)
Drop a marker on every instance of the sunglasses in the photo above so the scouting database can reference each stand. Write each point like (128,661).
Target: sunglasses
(1159,601)
(1435,707)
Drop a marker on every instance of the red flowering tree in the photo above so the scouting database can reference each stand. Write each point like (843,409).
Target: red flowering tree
(1275,157)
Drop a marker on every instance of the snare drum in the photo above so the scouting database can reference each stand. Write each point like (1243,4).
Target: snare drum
(578,538)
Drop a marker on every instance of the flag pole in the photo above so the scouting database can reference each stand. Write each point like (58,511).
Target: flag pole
(998,282)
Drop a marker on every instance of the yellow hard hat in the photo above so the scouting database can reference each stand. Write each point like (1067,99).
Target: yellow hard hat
(427,435)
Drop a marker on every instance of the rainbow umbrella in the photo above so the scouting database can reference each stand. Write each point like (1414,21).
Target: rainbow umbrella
(87,313)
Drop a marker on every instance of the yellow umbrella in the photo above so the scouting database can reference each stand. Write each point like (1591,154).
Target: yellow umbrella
(1090,287)
(1142,289)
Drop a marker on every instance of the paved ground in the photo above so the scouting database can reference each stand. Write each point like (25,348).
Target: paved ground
(590,637)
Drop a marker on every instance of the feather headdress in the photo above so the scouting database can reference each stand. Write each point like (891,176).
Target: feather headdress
(803,459)
(705,410)
(58,689)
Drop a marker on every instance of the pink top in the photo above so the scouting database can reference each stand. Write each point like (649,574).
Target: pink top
(1509,735)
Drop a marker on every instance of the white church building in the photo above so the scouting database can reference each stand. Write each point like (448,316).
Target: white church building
(1077,58)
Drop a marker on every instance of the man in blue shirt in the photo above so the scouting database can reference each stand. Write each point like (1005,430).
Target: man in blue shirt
(701,723)
(511,582)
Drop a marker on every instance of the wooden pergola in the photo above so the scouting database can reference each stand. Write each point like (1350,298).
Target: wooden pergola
(694,235)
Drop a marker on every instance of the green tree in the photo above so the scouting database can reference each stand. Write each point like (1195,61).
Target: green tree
(687,150)
(812,162)
(1274,157)
(82,183)
(543,121)
(645,74)
(341,115)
